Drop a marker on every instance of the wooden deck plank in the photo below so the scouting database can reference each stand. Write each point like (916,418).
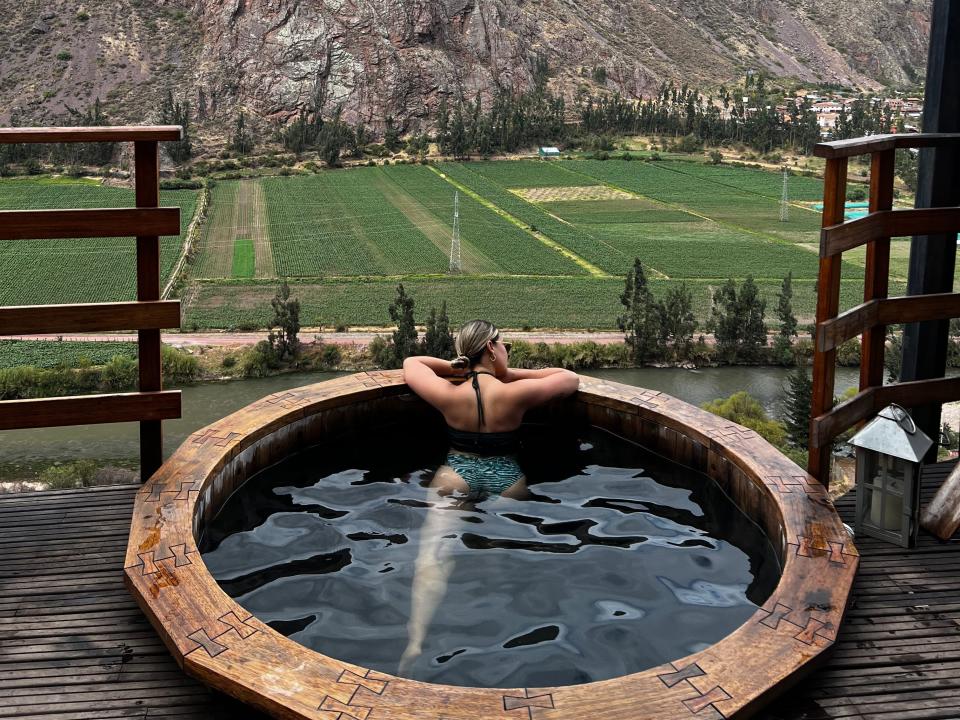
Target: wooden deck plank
(75,646)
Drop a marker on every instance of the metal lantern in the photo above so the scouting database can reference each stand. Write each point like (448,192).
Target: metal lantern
(889,452)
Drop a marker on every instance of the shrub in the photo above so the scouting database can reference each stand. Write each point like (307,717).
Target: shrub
(120,373)
(64,55)
(716,157)
(330,356)
(381,352)
(259,360)
(71,475)
(228,361)
(83,16)
(848,353)
(573,356)
(181,184)
(688,144)
(744,409)
(178,366)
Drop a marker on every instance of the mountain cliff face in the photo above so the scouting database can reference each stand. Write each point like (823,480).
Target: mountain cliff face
(398,57)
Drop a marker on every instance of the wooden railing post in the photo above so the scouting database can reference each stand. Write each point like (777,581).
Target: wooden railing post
(147,174)
(828,304)
(876,277)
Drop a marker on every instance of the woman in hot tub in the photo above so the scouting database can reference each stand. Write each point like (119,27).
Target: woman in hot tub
(483,420)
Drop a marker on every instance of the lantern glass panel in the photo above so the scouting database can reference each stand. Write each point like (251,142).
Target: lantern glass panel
(886,486)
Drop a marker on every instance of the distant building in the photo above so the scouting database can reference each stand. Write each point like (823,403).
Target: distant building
(827,122)
(827,106)
(545,152)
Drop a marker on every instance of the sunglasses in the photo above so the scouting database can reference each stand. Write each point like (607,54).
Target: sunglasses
(506,344)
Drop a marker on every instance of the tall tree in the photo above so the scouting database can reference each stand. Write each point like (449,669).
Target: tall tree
(737,321)
(641,320)
(334,136)
(286,318)
(242,142)
(438,340)
(458,135)
(391,135)
(799,398)
(443,125)
(679,323)
(725,320)
(405,336)
(783,343)
(752,309)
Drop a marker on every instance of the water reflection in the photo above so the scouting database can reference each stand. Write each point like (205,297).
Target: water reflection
(611,566)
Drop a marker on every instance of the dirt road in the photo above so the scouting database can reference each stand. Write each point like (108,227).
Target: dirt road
(360,337)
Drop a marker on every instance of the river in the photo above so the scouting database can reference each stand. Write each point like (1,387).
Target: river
(203,404)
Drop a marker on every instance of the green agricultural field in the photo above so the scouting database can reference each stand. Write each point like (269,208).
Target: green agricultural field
(243,258)
(51,353)
(689,187)
(588,212)
(78,270)
(510,246)
(528,173)
(543,244)
(511,302)
(576,239)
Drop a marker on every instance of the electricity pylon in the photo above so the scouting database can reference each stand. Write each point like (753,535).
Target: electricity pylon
(784,200)
(455,245)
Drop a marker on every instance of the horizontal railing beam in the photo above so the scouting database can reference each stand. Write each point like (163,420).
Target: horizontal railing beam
(840,417)
(123,133)
(90,317)
(846,325)
(122,222)
(838,238)
(879,143)
(861,406)
(886,311)
(89,409)
(915,308)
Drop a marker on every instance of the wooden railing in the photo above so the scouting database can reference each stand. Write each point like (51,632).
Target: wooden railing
(148,314)
(878,310)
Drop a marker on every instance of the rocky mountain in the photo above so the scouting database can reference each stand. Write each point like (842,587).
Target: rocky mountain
(379,57)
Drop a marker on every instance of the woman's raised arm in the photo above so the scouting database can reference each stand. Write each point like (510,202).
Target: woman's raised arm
(532,391)
(522,374)
(422,374)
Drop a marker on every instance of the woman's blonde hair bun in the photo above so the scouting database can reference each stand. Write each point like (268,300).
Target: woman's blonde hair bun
(461,361)
(472,341)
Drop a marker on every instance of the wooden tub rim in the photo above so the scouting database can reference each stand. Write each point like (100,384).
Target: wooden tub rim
(213,638)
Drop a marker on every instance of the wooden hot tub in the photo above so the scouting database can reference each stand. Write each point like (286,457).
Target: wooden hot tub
(215,639)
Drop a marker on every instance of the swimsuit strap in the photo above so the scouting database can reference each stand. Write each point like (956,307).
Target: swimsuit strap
(476,388)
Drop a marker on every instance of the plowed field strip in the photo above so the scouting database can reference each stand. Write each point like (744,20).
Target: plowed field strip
(260,230)
(440,234)
(216,259)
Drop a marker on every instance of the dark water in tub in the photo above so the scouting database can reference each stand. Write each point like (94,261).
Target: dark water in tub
(617,561)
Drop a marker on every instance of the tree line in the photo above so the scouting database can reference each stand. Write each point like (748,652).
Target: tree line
(511,120)
(662,329)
